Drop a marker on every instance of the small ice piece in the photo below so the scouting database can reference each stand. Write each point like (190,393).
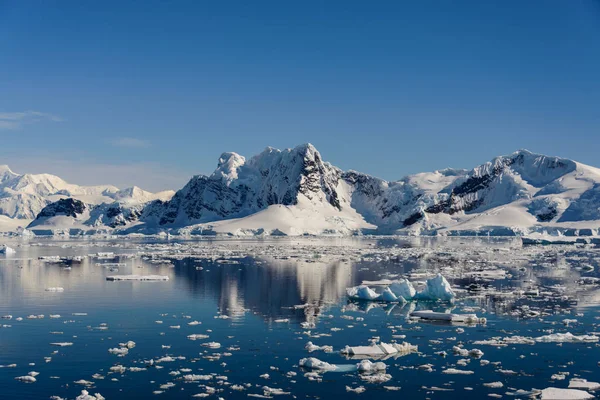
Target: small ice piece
(137,278)
(129,344)
(553,393)
(437,288)
(118,368)
(454,371)
(494,385)
(195,378)
(368,366)
(197,336)
(360,389)
(26,379)
(83,382)
(119,351)
(361,292)
(211,345)
(310,347)
(467,318)
(315,363)
(55,289)
(86,396)
(62,344)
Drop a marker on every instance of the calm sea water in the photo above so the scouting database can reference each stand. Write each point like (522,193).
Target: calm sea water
(247,305)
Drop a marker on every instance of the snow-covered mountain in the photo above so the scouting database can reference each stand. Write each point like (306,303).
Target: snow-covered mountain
(295,192)
(23,197)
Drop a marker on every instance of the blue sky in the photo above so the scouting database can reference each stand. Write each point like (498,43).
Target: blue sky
(150,93)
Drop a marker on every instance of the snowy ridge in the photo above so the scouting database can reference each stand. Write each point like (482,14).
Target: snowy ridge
(295,192)
(24,197)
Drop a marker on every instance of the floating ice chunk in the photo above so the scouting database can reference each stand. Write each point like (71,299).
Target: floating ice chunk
(368,366)
(61,344)
(129,344)
(380,350)
(86,396)
(55,289)
(120,351)
(4,249)
(403,288)
(467,318)
(315,363)
(310,347)
(580,383)
(378,377)
(26,379)
(454,371)
(437,288)
(118,368)
(360,389)
(361,292)
(137,278)
(194,378)
(567,338)
(553,393)
(83,382)
(273,391)
(197,336)
(211,345)
(494,385)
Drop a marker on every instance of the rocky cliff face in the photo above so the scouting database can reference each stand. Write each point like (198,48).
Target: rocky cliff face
(240,187)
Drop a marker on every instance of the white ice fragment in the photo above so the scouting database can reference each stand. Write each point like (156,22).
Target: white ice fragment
(467,318)
(454,371)
(137,278)
(567,338)
(368,366)
(86,396)
(315,363)
(580,383)
(26,379)
(55,289)
(310,347)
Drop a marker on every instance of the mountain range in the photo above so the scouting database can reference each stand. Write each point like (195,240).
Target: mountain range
(296,192)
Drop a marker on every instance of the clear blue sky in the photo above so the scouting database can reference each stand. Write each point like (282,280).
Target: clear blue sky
(152,92)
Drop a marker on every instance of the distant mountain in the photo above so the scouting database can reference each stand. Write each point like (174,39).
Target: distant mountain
(23,197)
(295,192)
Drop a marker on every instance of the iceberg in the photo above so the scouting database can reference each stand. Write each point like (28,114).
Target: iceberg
(362,292)
(402,290)
(4,249)
(437,288)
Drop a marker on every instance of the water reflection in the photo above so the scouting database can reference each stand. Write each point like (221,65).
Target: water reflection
(269,287)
